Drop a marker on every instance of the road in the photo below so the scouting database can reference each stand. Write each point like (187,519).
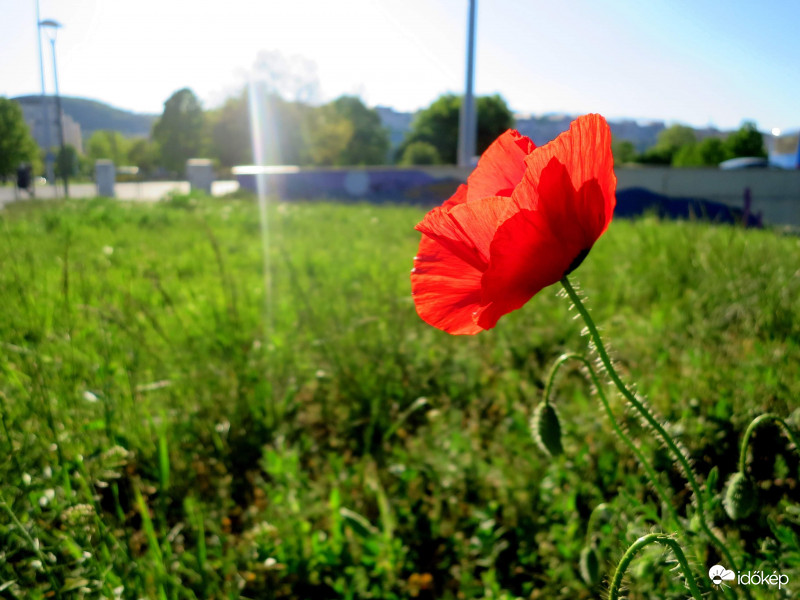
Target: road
(147,191)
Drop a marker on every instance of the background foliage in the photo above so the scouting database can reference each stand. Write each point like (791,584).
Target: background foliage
(437,126)
(16,143)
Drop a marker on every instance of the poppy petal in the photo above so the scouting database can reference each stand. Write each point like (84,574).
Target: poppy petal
(500,167)
(446,290)
(585,152)
(453,255)
(526,256)
(577,215)
(466,229)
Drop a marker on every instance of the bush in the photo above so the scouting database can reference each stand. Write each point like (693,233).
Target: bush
(420,153)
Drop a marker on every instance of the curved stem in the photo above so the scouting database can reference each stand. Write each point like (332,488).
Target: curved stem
(651,474)
(651,421)
(755,424)
(591,524)
(653,538)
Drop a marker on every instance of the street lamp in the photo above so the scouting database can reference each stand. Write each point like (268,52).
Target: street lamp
(468,125)
(48,159)
(51,27)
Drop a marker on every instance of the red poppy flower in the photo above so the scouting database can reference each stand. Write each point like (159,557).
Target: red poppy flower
(526,218)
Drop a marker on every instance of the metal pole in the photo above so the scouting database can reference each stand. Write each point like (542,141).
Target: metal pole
(65,175)
(468,126)
(43,102)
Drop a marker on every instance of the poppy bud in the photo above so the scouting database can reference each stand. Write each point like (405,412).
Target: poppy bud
(741,497)
(590,566)
(546,429)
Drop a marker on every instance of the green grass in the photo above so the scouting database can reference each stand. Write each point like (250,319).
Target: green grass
(161,437)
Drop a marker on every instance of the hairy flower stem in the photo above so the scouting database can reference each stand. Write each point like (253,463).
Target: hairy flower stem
(651,474)
(647,415)
(758,422)
(630,553)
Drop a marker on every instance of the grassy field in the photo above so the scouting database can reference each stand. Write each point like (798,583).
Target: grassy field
(171,430)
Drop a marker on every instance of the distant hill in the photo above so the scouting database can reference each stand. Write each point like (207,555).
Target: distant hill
(92,116)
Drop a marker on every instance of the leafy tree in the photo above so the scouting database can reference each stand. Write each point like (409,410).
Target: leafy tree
(712,152)
(229,127)
(67,162)
(143,153)
(670,141)
(747,141)
(16,143)
(420,153)
(292,123)
(708,153)
(437,125)
(342,132)
(624,151)
(675,136)
(329,136)
(369,143)
(180,130)
(108,145)
(494,117)
(285,128)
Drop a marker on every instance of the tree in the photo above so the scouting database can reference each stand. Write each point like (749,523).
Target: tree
(143,153)
(747,141)
(342,132)
(229,127)
(670,140)
(623,151)
(329,136)
(16,143)
(108,145)
(420,153)
(437,125)
(708,153)
(180,130)
(494,117)
(67,162)
(369,143)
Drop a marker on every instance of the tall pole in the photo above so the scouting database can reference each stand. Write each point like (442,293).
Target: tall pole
(65,174)
(43,102)
(468,126)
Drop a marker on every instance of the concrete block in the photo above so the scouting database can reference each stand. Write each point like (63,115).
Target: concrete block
(105,175)
(200,173)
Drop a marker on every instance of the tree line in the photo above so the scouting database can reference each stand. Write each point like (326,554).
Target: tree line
(342,132)
(678,146)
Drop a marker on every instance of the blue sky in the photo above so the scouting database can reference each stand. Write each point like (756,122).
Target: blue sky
(697,62)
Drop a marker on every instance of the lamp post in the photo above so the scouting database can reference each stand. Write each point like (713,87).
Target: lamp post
(468,125)
(52,27)
(48,160)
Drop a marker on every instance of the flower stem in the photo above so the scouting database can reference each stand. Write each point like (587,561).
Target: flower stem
(630,553)
(651,474)
(647,415)
(758,422)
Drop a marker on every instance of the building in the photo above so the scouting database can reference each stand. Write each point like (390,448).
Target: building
(44,127)
(783,149)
